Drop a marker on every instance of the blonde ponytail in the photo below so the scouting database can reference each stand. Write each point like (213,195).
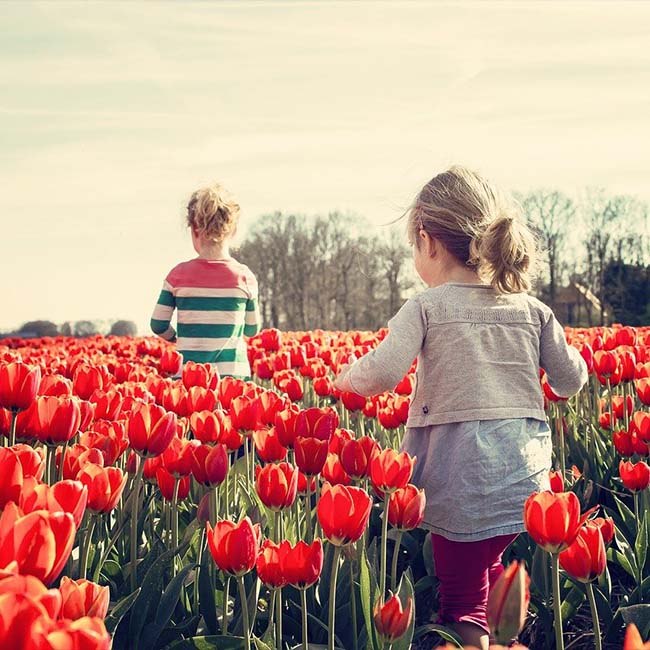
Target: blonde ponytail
(477,226)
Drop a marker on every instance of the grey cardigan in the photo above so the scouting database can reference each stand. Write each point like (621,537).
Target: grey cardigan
(479,355)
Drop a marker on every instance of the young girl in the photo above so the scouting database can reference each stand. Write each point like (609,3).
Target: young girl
(476,420)
(215,295)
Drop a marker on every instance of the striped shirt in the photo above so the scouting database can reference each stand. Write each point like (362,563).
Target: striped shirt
(216,303)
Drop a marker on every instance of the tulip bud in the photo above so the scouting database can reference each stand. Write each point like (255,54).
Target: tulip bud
(508,602)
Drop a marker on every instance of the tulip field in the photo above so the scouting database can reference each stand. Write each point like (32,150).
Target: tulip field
(148,505)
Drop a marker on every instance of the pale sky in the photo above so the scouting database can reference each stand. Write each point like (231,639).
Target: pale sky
(112,113)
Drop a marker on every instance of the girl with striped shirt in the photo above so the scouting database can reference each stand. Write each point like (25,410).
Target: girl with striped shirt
(214,295)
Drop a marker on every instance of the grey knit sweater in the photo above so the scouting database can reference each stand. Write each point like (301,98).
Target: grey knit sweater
(479,355)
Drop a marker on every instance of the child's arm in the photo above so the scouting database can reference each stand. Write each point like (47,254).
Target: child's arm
(384,367)
(162,314)
(566,370)
(252,321)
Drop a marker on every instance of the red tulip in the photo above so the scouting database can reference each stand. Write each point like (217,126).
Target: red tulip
(87,633)
(270,565)
(201,399)
(167,483)
(83,598)
(271,339)
(333,471)
(108,404)
(234,547)
(343,513)
(356,456)
(105,486)
(150,429)
(268,445)
(209,464)
(553,519)
(64,496)
(557,481)
(177,458)
(86,380)
(303,564)
(56,386)
(635,476)
(202,375)
(207,426)
(22,621)
(643,390)
(76,458)
(607,528)
(641,424)
(39,542)
(171,362)
(353,401)
(55,420)
(605,363)
(585,558)
(18,385)
(230,388)
(35,590)
(174,398)
(317,423)
(310,454)
(406,508)
(277,485)
(391,620)
(508,600)
(11,476)
(245,414)
(285,422)
(390,470)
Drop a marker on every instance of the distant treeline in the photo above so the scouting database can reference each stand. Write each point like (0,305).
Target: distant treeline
(337,272)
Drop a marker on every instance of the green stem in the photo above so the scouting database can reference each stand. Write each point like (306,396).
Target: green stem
(109,547)
(199,561)
(226,489)
(88,539)
(278,619)
(384,534)
(51,464)
(594,616)
(560,435)
(305,635)
(309,531)
(226,596)
(64,449)
(296,513)
(393,573)
(177,483)
(244,607)
(135,504)
(332,602)
(12,428)
(557,609)
(353,606)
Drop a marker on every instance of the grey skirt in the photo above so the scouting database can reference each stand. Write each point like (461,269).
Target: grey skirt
(477,475)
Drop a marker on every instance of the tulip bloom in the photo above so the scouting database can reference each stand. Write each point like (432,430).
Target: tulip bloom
(390,470)
(207,426)
(353,401)
(171,362)
(11,476)
(557,481)
(585,558)
(343,513)
(234,547)
(39,542)
(406,508)
(635,476)
(553,519)
(317,423)
(64,496)
(270,564)
(209,464)
(76,458)
(303,564)
(633,640)
(87,633)
(285,422)
(35,590)
(356,456)
(277,485)
(150,430)
(245,414)
(333,471)
(83,598)
(507,605)
(643,390)
(105,486)
(391,621)
(311,454)
(268,446)
(202,375)
(167,483)
(55,420)
(18,385)
(22,620)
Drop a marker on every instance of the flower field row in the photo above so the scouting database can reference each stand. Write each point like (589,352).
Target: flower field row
(149,505)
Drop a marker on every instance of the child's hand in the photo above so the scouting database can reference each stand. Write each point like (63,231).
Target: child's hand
(341,381)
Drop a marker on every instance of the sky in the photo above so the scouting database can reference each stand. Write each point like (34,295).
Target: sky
(112,113)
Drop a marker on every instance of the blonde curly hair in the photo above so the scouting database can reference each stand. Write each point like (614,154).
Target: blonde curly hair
(213,212)
(477,226)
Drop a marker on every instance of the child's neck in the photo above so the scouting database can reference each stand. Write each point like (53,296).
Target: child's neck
(213,251)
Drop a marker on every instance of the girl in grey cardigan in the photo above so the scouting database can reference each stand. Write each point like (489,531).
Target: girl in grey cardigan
(476,420)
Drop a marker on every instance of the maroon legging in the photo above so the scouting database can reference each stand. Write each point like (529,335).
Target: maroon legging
(466,571)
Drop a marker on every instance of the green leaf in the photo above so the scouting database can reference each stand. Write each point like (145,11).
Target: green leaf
(367,597)
(641,544)
(427,555)
(121,608)
(166,607)
(572,602)
(260,645)
(207,601)
(219,641)
(445,632)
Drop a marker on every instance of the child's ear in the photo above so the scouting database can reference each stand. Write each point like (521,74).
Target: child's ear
(428,242)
